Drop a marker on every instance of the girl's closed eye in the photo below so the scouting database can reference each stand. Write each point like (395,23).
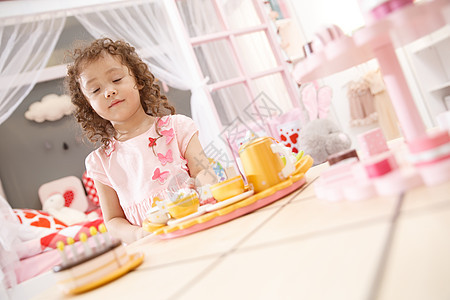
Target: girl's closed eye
(117,80)
(95,90)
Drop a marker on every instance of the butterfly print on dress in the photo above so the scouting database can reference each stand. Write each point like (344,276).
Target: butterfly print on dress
(161,177)
(164,159)
(168,134)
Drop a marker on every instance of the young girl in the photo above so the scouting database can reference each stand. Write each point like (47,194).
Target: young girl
(144,147)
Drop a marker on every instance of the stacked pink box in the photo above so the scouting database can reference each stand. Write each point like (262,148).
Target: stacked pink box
(372,143)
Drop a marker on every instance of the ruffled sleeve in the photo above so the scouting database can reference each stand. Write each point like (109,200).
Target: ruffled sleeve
(95,167)
(185,129)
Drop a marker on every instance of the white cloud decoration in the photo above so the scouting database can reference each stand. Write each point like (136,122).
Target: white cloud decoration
(51,108)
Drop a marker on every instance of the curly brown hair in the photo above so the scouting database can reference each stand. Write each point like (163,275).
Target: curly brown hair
(95,127)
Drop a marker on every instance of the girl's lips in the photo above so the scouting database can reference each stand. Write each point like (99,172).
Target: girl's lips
(115,102)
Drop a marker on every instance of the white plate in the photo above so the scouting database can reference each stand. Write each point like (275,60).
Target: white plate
(229,201)
(201,210)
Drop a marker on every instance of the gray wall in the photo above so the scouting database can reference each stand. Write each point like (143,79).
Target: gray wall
(32,154)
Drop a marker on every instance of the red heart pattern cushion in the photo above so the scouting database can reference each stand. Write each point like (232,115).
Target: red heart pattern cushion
(38,218)
(288,137)
(49,241)
(90,189)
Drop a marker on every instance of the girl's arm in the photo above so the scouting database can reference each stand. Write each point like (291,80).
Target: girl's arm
(198,163)
(114,217)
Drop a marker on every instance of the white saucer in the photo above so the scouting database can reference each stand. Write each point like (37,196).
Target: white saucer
(229,201)
(201,210)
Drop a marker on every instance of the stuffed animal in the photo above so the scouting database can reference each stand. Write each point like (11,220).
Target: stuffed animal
(320,138)
(54,205)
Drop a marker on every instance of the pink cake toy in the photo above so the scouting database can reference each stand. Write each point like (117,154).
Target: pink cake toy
(92,262)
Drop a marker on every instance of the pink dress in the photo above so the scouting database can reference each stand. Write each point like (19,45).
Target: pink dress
(141,167)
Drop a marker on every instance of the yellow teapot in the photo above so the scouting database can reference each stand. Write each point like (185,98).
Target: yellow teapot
(262,163)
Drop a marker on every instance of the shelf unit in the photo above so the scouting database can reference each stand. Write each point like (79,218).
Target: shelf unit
(380,40)
(430,64)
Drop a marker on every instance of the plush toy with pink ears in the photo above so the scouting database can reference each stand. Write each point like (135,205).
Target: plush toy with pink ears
(316,100)
(320,137)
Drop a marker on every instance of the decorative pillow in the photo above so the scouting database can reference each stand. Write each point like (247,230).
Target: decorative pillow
(38,218)
(286,129)
(72,190)
(90,189)
(49,241)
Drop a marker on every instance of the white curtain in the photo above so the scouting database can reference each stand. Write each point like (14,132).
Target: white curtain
(8,238)
(24,51)
(150,28)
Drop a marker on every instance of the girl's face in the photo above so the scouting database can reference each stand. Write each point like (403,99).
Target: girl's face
(110,89)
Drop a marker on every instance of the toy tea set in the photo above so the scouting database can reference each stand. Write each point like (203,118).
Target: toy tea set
(382,171)
(271,171)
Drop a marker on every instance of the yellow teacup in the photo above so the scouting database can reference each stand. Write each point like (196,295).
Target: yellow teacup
(228,188)
(183,206)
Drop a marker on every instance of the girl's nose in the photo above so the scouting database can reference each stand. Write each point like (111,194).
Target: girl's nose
(110,92)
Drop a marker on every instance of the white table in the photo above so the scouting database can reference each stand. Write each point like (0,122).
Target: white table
(299,247)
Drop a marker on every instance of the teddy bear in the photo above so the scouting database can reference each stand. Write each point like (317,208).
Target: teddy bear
(54,205)
(321,138)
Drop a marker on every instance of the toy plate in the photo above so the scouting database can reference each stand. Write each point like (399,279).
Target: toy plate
(201,210)
(135,260)
(229,201)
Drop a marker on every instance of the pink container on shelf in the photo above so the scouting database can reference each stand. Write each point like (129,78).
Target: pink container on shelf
(398,181)
(431,156)
(359,190)
(388,178)
(396,4)
(437,173)
(429,148)
(361,187)
(329,192)
(381,11)
(388,7)
(380,165)
(329,185)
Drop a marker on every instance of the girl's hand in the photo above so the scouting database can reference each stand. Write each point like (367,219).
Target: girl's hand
(140,232)
(190,183)
(206,176)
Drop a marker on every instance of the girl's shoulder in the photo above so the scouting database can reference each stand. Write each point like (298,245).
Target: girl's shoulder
(102,152)
(176,121)
(176,117)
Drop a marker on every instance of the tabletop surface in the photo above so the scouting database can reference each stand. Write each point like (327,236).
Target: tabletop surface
(299,247)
